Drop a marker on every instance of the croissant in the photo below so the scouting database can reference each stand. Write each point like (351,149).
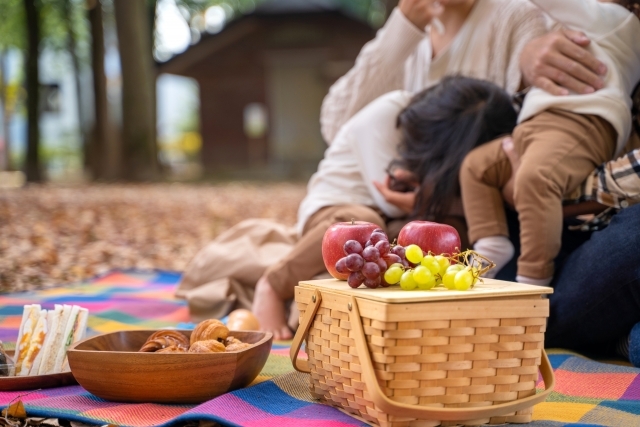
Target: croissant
(178,336)
(237,346)
(211,329)
(173,349)
(231,340)
(207,346)
(165,339)
(5,361)
(170,333)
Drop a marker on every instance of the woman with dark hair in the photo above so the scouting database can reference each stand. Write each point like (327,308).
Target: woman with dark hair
(440,126)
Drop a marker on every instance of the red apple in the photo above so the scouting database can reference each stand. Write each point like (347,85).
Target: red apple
(337,235)
(430,236)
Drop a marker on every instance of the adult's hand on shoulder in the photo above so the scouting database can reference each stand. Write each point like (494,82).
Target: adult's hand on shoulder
(420,12)
(403,201)
(559,62)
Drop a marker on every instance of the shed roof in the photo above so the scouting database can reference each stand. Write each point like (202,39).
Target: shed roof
(247,23)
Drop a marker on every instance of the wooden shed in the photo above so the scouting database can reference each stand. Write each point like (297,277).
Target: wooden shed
(275,63)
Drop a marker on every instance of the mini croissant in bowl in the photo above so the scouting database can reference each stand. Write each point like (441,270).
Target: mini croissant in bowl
(165,339)
(211,329)
(207,346)
(209,336)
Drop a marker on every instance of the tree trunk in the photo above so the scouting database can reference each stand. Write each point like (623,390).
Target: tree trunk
(72,48)
(32,162)
(5,155)
(102,156)
(138,91)
(151,16)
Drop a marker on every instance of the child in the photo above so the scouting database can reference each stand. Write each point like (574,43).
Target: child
(342,189)
(560,141)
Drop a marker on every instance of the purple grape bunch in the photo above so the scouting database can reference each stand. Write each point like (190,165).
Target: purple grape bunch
(366,265)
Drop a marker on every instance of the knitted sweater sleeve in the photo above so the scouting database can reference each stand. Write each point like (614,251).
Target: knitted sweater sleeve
(379,69)
(526,24)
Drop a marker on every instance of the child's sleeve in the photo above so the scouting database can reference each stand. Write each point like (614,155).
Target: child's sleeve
(589,16)
(375,140)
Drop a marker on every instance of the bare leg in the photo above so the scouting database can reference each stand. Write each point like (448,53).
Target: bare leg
(270,310)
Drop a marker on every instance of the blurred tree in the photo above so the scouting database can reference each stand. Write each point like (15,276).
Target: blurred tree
(7,112)
(67,11)
(32,18)
(11,37)
(102,154)
(139,147)
(5,153)
(32,26)
(61,24)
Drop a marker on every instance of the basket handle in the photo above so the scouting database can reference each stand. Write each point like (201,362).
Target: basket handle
(303,330)
(392,407)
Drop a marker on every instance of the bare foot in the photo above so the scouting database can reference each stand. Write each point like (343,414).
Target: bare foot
(270,311)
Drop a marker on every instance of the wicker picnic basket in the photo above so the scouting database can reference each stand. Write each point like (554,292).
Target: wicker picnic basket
(425,358)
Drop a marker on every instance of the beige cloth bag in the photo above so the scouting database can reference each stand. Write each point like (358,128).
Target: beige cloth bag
(222,276)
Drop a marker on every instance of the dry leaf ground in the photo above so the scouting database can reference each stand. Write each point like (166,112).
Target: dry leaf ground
(55,235)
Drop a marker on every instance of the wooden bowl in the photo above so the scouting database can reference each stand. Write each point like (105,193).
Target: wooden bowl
(110,367)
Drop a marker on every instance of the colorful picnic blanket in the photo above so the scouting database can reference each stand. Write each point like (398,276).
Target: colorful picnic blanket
(587,393)
(117,301)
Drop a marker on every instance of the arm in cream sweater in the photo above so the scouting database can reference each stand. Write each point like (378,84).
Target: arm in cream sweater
(522,25)
(379,69)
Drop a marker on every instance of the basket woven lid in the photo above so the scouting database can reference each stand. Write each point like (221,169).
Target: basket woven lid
(487,288)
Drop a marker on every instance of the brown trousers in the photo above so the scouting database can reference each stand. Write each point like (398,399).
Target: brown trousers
(305,259)
(558,150)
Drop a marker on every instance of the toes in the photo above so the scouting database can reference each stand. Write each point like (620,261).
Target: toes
(285,333)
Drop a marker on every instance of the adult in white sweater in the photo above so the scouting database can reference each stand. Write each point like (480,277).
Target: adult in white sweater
(503,41)
(485,45)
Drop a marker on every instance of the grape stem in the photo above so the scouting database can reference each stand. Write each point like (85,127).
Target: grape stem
(478,264)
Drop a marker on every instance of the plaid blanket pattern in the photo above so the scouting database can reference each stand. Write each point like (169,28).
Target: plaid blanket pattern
(587,393)
(117,301)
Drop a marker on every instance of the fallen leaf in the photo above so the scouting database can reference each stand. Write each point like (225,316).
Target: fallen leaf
(15,410)
(52,235)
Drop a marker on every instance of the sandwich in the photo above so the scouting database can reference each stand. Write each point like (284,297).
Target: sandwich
(30,316)
(35,345)
(56,323)
(74,332)
(45,336)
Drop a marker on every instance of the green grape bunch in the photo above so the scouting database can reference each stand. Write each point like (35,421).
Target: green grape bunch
(461,271)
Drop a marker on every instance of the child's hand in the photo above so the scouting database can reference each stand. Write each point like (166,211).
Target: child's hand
(421,12)
(403,201)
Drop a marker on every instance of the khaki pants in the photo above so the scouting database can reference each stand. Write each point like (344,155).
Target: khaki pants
(558,150)
(223,275)
(305,259)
